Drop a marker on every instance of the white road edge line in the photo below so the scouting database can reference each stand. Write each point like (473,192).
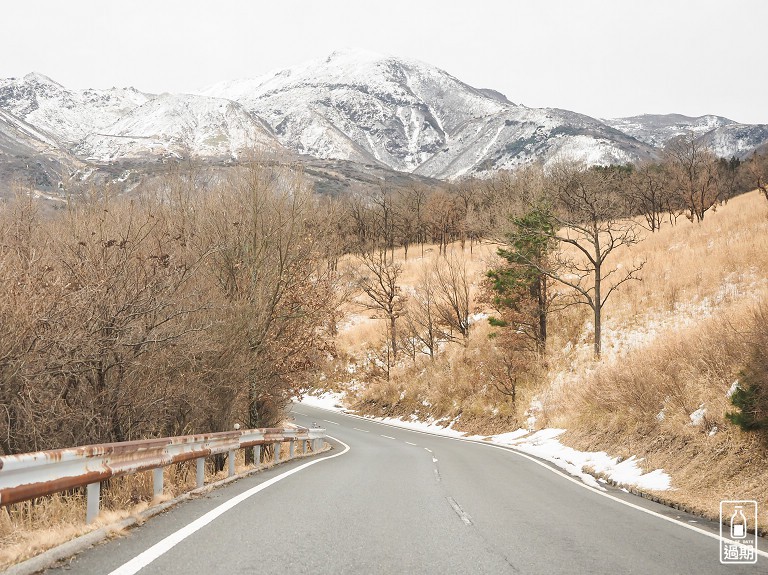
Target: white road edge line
(165,545)
(556,471)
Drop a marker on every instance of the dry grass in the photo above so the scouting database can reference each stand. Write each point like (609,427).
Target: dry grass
(676,343)
(673,342)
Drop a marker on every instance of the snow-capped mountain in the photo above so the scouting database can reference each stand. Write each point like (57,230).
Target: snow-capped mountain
(179,125)
(417,118)
(658,129)
(67,115)
(379,112)
(739,140)
(724,137)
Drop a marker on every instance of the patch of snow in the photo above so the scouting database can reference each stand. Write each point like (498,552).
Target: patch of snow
(510,436)
(328,400)
(477,317)
(534,408)
(732,389)
(544,444)
(697,417)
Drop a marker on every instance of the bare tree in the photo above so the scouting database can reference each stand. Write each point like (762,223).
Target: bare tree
(451,287)
(378,279)
(588,218)
(423,317)
(757,168)
(694,175)
(649,195)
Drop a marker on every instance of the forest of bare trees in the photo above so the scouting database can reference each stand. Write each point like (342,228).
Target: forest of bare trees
(171,312)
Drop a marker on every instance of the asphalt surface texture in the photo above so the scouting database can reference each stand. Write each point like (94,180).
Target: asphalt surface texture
(400,501)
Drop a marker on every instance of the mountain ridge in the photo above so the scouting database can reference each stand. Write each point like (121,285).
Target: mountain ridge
(353,105)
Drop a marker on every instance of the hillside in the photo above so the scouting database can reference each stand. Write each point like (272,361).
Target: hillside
(674,346)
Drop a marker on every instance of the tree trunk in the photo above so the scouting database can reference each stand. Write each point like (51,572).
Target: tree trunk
(597,307)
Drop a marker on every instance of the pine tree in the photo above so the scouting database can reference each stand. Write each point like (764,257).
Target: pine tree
(520,289)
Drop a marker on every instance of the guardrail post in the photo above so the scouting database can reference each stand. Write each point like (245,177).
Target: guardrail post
(318,445)
(257,455)
(291,449)
(231,460)
(157,481)
(200,464)
(93,495)
(277,452)
(303,446)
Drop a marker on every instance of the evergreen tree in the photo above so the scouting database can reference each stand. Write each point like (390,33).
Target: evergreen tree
(520,289)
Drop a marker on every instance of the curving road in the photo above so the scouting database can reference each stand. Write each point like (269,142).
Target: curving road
(390,500)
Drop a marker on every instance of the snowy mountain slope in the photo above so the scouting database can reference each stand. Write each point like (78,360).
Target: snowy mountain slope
(16,136)
(31,157)
(739,140)
(67,115)
(397,112)
(658,129)
(414,117)
(377,111)
(724,137)
(522,135)
(180,125)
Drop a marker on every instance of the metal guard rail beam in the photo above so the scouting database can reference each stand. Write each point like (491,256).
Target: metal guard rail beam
(30,475)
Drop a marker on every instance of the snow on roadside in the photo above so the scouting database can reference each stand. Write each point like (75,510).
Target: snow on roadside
(328,400)
(542,444)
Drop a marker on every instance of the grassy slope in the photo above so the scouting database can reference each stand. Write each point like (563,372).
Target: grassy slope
(674,343)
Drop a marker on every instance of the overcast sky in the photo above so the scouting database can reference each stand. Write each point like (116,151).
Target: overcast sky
(599,57)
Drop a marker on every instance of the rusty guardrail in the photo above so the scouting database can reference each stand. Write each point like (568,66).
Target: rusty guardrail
(30,475)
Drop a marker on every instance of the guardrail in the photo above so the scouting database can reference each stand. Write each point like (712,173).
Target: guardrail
(30,475)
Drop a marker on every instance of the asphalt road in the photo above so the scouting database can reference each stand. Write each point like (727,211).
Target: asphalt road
(399,501)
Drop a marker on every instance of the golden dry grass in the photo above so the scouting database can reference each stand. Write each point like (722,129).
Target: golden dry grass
(674,341)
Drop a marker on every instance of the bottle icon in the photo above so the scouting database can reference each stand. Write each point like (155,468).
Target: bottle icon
(738,524)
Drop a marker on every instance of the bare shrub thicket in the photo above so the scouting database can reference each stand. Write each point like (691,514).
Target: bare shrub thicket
(169,313)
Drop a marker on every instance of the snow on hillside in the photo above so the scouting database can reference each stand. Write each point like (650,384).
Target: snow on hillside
(388,110)
(68,115)
(414,117)
(179,125)
(658,129)
(738,140)
(353,105)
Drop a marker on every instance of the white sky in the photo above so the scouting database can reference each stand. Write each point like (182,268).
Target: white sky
(604,58)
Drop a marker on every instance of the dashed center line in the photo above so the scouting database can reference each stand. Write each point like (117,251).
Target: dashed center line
(388,437)
(434,460)
(459,511)
(409,443)
(427,449)
(363,430)
(329,421)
